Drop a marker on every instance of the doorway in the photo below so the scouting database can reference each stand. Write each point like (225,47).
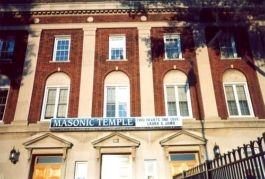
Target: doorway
(116,166)
(47,167)
(182,161)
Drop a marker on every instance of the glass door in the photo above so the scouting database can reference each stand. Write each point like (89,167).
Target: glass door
(47,167)
(116,167)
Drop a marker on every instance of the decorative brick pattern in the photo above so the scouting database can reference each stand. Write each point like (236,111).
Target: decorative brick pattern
(187,66)
(45,68)
(14,71)
(245,64)
(104,67)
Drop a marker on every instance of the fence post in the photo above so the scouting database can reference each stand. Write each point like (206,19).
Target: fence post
(208,168)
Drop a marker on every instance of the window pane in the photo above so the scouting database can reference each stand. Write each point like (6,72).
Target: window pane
(49,159)
(231,101)
(62,103)
(172,47)
(122,109)
(117,47)
(110,110)
(7,48)
(110,95)
(171,101)
(227,46)
(62,49)
(3,99)
(50,104)
(244,108)
(182,157)
(183,102)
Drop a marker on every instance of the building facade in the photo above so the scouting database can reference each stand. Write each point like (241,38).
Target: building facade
(121,89)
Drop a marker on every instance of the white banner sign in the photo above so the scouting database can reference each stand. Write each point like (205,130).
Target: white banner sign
(126,123)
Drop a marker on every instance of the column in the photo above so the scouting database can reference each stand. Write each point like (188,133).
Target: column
(146,72)
(25,92)
(205,75)
(87,72)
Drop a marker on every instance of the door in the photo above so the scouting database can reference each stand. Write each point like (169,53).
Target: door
(182,161)
(116,167)
(47,167)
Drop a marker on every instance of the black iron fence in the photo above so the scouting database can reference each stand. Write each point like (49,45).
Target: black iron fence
(247,162)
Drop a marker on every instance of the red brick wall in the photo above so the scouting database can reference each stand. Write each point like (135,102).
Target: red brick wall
(104,67)
(13,70)
(44,69)
(245,65)
(188,66)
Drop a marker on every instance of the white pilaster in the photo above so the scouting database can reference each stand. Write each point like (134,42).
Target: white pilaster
(87,73)
(146,72)
(25,92)
(205,75)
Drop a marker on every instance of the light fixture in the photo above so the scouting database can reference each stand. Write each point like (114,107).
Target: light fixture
(216,151)
(14,155)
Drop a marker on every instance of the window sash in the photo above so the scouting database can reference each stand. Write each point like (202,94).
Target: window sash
(3,101)
(172,46)
(61,49)
(238,103)
(56,105)
(117,101)
(178,102)
(150,169)
(117,47)
(227,47)
(7,47)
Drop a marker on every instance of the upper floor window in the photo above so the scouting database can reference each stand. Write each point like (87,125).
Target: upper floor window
(237,99)
(227,46)
(117,47)
(56,102)
(116,95)
(237,95)
(3,99)
(177,95)
(7,47)
(177,100)
(56,96)
(117,101)
(4,89)
(172,46)
(61,49)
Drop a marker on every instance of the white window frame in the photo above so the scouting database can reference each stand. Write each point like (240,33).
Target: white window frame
(57,38)
(8,90)
(233,44)
(236,98)
(57,87)
(8,39)
(76,169)
(177,99)
(117,106)
(154,163)
(123,46)
(166,36)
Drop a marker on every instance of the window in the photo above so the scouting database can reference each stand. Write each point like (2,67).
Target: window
(177,100)
(150,169)
(227,46)
(172,46)
(81,170)
(3,99)
(117,47)
(238,100)
(117,101)
(7,49)
(61,49)
(122,169)
(55,102)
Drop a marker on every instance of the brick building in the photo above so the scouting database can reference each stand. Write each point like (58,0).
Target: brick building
(127,89)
